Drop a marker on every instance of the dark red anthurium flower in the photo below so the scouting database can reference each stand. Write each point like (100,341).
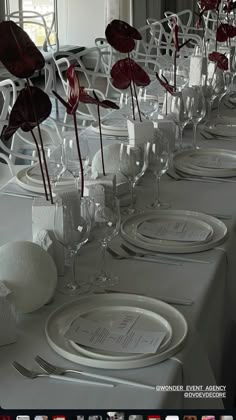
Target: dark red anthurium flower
(106,103)
(18,53)
(121,36)
(125,71)
(209,4)
(225,31)
(74,90)
(26,116)
(220,59)
(229,6)
(165,84)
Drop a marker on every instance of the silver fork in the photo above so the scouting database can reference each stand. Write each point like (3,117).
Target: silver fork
(31,374)
(169,258)
(141,257)
(50,368)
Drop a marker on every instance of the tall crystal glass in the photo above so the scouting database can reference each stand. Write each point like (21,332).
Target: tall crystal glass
(106,227)
(158,155)
(180,112)
(72,224)
(132,165)
(197,103)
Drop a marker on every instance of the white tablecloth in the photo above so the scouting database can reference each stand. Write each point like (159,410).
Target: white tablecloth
(208,357)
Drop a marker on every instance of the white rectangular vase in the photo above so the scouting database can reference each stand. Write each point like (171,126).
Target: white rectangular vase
(102,188)
(140,132)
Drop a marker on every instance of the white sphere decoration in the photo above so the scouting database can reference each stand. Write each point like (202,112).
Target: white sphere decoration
(111,154)
(29,272)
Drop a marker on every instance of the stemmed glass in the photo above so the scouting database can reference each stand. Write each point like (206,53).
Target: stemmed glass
(227,77)
(148,103)
(72,224)
(106,227)
(180,112)
(158,155)
(125,104)
(71,165)
(197,103)
(132,165)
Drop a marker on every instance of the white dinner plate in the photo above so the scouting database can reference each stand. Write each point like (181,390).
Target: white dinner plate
(192,223)
(129,231)
(207,162)
(108,315)
(24,181)
(60,320)
(112,127)
(33,174)
(224,127)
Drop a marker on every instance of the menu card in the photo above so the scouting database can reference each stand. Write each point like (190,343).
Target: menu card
(174,231)
(214,162)
(122,338)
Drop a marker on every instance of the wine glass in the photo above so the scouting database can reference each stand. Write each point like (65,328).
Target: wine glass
(197,103)
(227,77)
(132,165)
(126,103)
(106,227)
(72,224)
(180,112)
(70,159)
(158,156)
(148,104)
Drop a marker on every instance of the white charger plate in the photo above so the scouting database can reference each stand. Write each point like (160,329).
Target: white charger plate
(191,222)
(33,174)
(129,232)
(184,162)
(224,127)
(59,321)
(28,184)
(112,127)
(148,320)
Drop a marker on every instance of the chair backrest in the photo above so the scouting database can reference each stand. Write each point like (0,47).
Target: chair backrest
(183,18)
(41,28)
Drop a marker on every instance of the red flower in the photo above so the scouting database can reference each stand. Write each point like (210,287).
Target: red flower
(32,107)
(125,71)
(209,4)
(165,84)
(18,53)
(121,36)
(74,90)
(220,59)
(225,31)
(230,5)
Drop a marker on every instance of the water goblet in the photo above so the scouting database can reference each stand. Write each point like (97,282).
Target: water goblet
(197,104)
(132,165)
(106,227)
(72,224)
(70,159)
(148,104)
(158,156)
(180,112)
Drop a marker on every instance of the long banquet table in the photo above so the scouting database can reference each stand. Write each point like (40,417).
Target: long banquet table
(208,356)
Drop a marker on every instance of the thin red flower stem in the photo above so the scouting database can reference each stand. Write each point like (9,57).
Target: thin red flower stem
(132,99)
(45,162)
(217,22)
(135,92)
(79,154)
(101,144)
(41,144)
(175,69)
(40,163)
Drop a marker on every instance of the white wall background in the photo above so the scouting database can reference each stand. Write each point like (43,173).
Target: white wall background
(80,21)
